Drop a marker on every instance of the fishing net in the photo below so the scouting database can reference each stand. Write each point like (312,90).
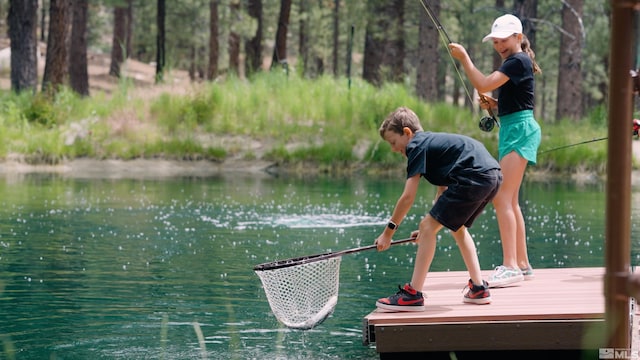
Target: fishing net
(302,292)
(301,296)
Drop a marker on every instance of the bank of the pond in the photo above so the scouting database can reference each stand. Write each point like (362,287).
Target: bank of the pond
(162,168)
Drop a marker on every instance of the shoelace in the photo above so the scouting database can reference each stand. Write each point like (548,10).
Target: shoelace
(484,283)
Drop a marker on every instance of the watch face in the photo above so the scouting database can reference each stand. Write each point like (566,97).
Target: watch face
(391,226)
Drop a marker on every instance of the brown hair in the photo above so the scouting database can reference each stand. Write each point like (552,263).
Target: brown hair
(399,119)
(526,47)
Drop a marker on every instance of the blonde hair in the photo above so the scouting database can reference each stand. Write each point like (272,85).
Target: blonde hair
(399,119)
(526,47)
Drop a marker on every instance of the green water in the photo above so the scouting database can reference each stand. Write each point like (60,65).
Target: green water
(162,269)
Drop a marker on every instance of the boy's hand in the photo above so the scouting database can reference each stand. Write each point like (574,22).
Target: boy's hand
(383,242)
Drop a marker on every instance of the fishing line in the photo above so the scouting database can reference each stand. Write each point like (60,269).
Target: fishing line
(487,122)
(570,145)
(446,40)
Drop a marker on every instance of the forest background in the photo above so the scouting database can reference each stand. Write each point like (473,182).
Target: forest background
(288,85)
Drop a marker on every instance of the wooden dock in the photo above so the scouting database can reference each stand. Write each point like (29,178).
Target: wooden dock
(560,312)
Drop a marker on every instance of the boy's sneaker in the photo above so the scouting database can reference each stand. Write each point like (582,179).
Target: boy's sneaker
(503,276)
(527,273)
(407,299)
(477,294)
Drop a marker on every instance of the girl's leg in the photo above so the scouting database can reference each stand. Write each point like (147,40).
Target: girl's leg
(522,256)
(510,221)
(469,254)
(426,241)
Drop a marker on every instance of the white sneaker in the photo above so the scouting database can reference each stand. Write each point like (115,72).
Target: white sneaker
(527,273)
(503,275)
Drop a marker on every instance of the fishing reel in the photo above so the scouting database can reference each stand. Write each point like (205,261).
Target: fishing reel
(487,123)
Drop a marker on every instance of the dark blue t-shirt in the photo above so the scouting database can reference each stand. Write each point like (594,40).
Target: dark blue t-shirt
(445,159)
(517,93)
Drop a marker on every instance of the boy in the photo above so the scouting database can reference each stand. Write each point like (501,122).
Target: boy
(467,176)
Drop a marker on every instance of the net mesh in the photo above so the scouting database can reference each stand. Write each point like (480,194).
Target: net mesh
(302,296)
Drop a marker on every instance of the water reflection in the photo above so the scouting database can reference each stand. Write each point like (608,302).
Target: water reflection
(131,269)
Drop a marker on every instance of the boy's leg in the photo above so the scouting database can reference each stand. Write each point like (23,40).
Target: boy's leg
(478,292)
(469,254)
(426,241)
(410,297)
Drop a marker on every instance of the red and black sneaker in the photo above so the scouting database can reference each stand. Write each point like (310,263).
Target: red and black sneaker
(477,294)
(407,299)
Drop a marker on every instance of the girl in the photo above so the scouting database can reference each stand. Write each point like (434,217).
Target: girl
(519,136)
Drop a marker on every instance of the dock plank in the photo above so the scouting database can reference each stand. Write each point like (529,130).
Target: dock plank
(560,308)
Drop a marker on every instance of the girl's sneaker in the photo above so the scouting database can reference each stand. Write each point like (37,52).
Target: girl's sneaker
(527,273)
(477,294)
(503,276)
(407,299)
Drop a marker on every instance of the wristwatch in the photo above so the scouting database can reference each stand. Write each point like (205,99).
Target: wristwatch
(391,225)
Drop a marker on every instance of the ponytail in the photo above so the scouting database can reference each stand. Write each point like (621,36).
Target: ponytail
(526,47)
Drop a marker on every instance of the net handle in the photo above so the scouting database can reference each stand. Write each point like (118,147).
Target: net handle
(317,257)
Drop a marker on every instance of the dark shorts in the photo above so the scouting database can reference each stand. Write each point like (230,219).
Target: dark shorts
(461,203)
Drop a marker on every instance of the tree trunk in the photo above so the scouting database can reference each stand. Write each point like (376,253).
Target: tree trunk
(497,59)
(23,25)
(526,11)
(160,55)
(212,71)
(304,57)
(394,52)
(253,46)
(78,72)
(118,44)
(570,73)
(129,29)
(234,37)
(193,68)
(336,35)
(56,63)
(384,44)
(43,21)
(427,85)
(280,48)
(372,52)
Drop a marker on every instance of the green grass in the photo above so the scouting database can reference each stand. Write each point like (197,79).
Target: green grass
(319,121)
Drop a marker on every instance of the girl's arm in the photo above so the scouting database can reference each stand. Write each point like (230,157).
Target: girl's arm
(479,81)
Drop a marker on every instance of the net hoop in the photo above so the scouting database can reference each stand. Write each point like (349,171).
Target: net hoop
(317,257)
(278,264)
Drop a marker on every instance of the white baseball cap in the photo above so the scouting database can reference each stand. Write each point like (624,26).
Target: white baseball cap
(503,27)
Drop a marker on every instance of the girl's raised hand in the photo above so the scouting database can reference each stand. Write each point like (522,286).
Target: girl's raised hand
(458,51)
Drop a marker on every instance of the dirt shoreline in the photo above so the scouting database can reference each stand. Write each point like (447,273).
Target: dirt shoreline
(86,168)
(136,169)
(161,168)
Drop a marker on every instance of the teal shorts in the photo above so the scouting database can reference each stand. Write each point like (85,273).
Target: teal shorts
(521,133)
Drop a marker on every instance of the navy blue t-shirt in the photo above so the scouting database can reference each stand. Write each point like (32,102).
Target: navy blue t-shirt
(517,93)
(445,159)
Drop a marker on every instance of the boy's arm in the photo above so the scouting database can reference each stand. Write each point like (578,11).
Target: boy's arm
(403,205)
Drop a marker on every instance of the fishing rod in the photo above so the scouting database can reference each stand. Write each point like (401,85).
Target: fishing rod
(487,123)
